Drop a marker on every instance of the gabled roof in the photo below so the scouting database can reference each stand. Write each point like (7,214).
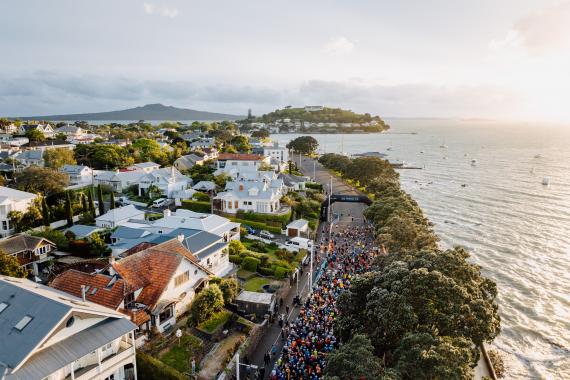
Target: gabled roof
(120,213)
(240,157)
(10,194)
(148,164)
(72,168)
(22,242)
(100,288)
(205,185)
(81,231)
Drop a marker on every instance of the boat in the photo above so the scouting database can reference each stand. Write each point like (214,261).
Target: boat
(445,157)
(538,156)
(473,162)
(443,145)
(546,181)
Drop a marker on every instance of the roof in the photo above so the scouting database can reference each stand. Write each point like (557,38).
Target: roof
(30,155)
(7,193)
(121,213)
(298,224)
(205,185)
(22,242)
(148,164)
(240,157)
(194,220)
(255,297)
(74,347)
(202,254)
(100,288)
(124,232)
(81,231)
(45,305)
(72,168)
(195,240)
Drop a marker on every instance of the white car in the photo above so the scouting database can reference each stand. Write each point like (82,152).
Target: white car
(266,234)
(159,202)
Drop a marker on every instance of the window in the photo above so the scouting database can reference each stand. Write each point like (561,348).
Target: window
(23,322)
(181,278)
(3,306)
(129,300)
(4,225)
(165,315)
(106,347)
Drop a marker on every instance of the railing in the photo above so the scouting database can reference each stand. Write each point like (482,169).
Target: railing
(125,351)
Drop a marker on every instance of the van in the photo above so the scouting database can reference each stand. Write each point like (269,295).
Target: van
(298,243)
(159,202)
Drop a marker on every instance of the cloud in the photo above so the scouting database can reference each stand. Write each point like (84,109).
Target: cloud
(541,32)
(165,11)
(339,46)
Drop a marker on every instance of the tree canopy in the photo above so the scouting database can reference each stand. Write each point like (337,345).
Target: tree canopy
(9,266)
(58,157)
(39,180)
(103,156)
(304,145)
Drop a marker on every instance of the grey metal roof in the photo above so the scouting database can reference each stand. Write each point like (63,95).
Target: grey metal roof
(255,297)
(76,346)
(16,345)
(208,251)
(198,242)
(123,232)
(80,230)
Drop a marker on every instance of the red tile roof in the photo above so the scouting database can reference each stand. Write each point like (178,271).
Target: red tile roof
(240,157)
(98,290)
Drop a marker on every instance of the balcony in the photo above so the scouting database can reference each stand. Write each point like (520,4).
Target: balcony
(108,365)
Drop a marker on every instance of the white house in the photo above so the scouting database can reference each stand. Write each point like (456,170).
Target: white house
(233,164)
(206,186)
(119,216)
(118,180)
(153,285)
(46,129)
(145,167)
(15,141)
(48,334)
(70,131)
(30,157)
(188,161)
(78,174)
(10,128)
(256,196)
(12,200)
(169,181)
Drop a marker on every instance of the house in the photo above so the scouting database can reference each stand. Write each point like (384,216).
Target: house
(188,162)
(314,108)
(32,252)
(10,128)
(153,285)
(256,196)
(13,141)
(78,174)
(30,158)
(298,228)
(70,131)
(233,164)
(260,304)
(80,231)
(145,167)
(50,144)
(210,153)
(205,186)
(191,136)
(203,143)
(116,217)
(46,129)
(169,181)
(12,200)
(47,334)
(118,180)
(294,182)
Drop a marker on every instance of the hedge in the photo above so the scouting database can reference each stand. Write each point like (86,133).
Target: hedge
(149,368)
(250,264)
(314,185)
(263,218)
(197,206)
(281,272)
(257,225)
(236,259)
(266,271)
(201,197)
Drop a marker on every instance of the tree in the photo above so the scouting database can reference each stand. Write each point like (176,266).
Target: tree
(102,156)
(354,360)
(147,150)
(236,247)
(58,157)
(230,289)
(45,212)
(206,303)
(68,209)
(90,202)
(97,246)
(9,266)
(40,180)
(241,143)
(55,236)
(35,135)
(261,134)
(265,167)
(100,200)
(112,201)
(304,145)
(84,205)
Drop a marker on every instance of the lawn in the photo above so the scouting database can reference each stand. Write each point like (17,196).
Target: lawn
(217,320)
(180,356)
(255,284)
(245,274)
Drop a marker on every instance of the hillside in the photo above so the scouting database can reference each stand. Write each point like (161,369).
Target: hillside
(147,112)
(325,115)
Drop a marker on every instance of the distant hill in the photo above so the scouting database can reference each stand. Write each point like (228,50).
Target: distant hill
(148,112)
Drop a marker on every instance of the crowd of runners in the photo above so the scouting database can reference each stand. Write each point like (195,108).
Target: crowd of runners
(310,337)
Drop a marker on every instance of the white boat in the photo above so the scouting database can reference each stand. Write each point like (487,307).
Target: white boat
(546,181)
(473,162)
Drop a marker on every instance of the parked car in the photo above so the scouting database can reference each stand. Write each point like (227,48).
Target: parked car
(266,234)
(160,202)
(298,243)
(123,201)
(250,230)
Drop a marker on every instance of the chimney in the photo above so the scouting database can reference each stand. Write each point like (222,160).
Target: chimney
(181,238)
(240,187)
(83,292)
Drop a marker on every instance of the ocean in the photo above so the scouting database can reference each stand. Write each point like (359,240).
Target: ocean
(481,186)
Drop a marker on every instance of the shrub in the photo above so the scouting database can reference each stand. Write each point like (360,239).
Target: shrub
(202,197)
(197,206)
(236,259)
(258,225)
(236,247)
(281,272)
(314,185)
(230,289)
(206,303)
(258,246)
(265,271)
(149,368)
(250,264)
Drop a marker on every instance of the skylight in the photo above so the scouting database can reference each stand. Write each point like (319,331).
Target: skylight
(23,322)
(3,306)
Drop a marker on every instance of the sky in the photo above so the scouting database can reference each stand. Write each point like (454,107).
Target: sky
(495,59)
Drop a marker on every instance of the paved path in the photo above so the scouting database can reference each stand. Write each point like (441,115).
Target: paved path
(347,213)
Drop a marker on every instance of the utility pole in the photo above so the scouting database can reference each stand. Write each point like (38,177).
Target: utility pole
(237,366)
(311,270)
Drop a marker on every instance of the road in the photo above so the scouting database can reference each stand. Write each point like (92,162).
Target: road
(346,214)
